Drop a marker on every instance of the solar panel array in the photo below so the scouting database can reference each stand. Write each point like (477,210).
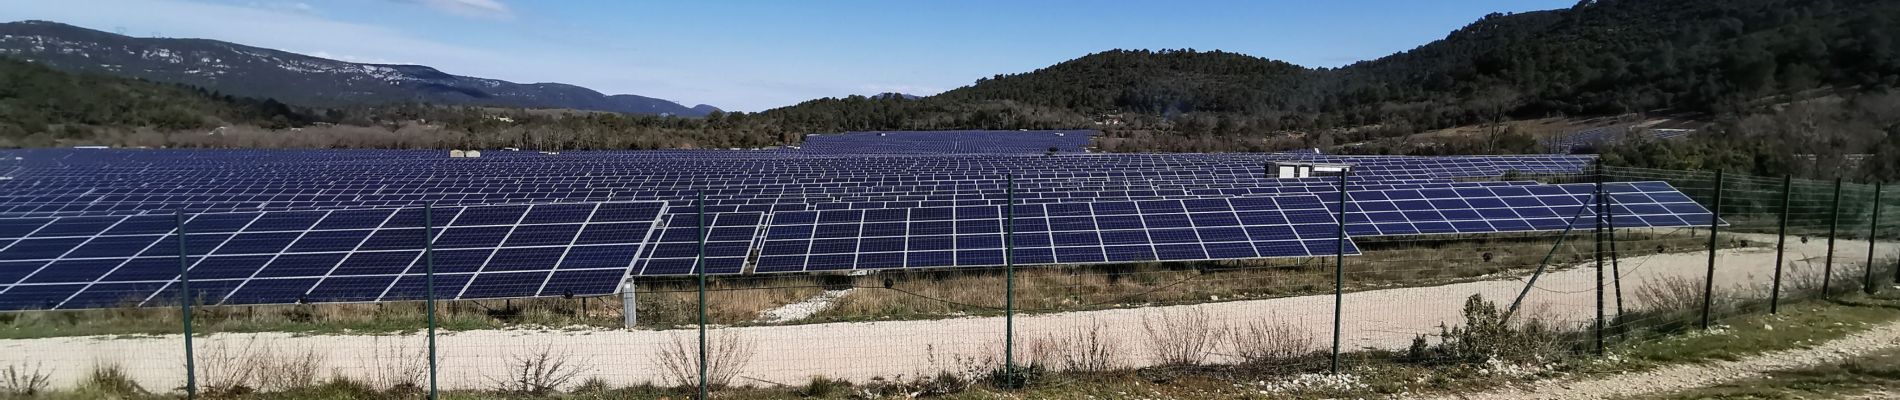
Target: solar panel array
(1056,233)
(321,256)
(857,201)
(1596,137)
(948,142)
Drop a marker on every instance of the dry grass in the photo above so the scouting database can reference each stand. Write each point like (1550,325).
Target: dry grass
(1671,294)
(1082,349)
(728,302)
(538,372)
(109,381)
(394,367)
(1180,338)
(22,381)
(1387,263)
(1269,342)
(727,355)
(255,364)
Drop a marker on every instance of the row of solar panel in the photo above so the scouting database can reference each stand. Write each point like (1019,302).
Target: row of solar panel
(341,255)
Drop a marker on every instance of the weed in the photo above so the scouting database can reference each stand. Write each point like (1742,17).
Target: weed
(109,381)
(22,381)
(1267,342)
(823,387)
(727,354)
(1180,338)
(538,372)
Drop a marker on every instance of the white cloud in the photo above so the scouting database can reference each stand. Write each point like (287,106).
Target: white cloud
(469,8)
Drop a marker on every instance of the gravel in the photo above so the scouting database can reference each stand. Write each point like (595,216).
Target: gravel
(803,309)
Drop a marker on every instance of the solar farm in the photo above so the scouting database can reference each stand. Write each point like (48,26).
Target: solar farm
(919,247)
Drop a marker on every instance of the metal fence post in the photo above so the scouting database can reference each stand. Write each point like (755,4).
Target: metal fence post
(1009,280)
(1873,235)
(1616,266)
(184,305)
(699,267)
(428,269)
(1833,227)
(1603,206)
(1781,244)
(1339,267)
(1715,227)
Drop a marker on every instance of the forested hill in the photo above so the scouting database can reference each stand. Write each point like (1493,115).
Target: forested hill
(1597,58)
(297,78)
(37,101)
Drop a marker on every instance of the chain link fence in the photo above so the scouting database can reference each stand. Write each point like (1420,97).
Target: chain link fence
(1526,298)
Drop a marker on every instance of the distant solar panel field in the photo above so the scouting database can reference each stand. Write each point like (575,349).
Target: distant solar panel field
(91,228)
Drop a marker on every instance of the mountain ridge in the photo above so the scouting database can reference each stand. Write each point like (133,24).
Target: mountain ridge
(295,78)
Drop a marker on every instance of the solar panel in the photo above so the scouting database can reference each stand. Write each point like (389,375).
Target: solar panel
(675,248)
(1059,233)
(1465,210)
(321,256)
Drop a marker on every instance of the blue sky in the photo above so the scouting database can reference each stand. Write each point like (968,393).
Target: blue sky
(755,55)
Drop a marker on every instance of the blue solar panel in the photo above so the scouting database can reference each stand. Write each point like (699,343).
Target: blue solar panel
(1403,212)
(675,250)
(1070,233)
(328,256)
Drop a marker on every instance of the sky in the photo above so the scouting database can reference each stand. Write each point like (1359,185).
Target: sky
(756,55)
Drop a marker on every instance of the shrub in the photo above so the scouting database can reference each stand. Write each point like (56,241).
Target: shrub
(727,355)
(824,387)
(1261,343)
(110,381)
(1485,336)
(537,372)
(1179,338)
(19,381)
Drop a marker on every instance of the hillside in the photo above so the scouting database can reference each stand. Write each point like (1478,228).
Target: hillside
(1597,58)
(295,78)
(40,106)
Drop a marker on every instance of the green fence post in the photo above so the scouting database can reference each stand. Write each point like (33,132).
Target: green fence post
(1339,267)
(1781,243)
(428,270)
(1833,226)
(1616,264)
(184,305)
(699,268)
(1009,281)
(1873,234)
(1603,206)
(1715,227)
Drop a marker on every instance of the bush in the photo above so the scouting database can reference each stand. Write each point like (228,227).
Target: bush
(1486,336)
(18,381)
(538,372)
(728,353)
(1179,338)
(110,381)
(1022,376)
(1263,343)
(824,387)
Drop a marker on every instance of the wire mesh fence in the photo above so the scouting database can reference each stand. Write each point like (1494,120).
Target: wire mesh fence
(1606,273)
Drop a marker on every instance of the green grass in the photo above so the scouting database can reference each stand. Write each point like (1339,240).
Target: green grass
(1800,325)
(1875,375)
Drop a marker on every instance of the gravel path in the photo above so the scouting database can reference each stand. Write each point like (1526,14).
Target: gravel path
(1690,376)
